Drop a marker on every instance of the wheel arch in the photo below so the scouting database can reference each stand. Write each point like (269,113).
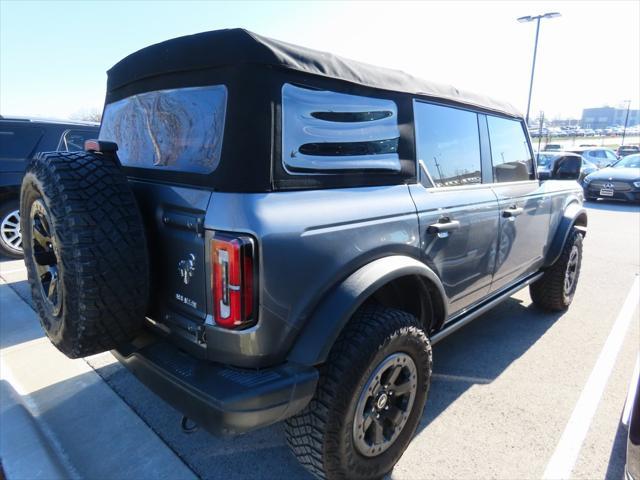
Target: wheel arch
(395,281)
(575,216)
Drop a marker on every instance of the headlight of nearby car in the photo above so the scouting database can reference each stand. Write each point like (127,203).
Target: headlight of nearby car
(586,180)
(636,184)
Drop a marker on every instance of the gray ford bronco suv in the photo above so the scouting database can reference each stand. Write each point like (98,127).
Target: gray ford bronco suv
(264,232)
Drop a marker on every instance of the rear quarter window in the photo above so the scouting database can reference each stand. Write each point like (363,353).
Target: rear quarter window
(325,132)
(177,129)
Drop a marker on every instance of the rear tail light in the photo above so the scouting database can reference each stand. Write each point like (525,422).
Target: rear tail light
(233,271)
(100,146)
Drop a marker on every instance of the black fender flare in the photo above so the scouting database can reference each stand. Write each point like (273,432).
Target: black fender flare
(574,216)
(332,314)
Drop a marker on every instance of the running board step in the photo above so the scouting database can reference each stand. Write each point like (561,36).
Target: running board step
(466,317)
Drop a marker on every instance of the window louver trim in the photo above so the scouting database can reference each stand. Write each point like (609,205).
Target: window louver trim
(326,132)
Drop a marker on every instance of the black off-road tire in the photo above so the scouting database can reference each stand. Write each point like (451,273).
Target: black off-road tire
(549,292)
(322,435)
(95,249)
(9,233)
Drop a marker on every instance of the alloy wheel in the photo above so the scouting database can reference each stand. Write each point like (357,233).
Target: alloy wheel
(385,404)
(45,257)
(10,233)
(571,273)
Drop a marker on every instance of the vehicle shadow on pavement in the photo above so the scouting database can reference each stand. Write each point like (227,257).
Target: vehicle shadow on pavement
(618,456)
(262,454)
(481,351)
(477,354)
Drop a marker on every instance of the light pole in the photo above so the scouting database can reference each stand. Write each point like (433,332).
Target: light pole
(626,121)
(537,18)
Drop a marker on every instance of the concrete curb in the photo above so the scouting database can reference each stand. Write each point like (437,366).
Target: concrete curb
(24,449)
(79,426)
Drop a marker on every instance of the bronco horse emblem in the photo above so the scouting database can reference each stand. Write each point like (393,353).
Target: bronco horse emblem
(186,268)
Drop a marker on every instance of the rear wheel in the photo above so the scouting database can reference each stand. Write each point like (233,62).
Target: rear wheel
(10,235)
(555,290)
(370,397)
(85,251)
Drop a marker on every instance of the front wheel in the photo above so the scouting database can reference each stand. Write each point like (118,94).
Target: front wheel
(370,398)
(555,290)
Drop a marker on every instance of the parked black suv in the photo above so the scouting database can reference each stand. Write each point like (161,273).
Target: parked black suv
(264,232)
(20,140)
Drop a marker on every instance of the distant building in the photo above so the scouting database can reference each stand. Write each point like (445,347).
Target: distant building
(603,117)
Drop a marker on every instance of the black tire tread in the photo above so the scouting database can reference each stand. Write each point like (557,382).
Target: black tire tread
(102,249)
(309,434)
(548,291)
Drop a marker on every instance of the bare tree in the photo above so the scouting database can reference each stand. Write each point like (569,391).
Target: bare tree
(91,114)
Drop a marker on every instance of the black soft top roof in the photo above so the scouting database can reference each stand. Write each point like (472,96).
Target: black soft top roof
(222,48)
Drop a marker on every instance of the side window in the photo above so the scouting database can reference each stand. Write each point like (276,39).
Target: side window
(510,154)
(326,132)
(610,155)
(18,142)
(598,154)
(448,143)
(73,140)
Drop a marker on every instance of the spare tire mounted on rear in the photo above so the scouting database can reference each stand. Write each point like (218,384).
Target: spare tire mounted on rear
(85,251)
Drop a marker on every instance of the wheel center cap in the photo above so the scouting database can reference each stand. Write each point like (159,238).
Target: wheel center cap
(382,401)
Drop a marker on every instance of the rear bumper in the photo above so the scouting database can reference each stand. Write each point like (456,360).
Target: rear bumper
(223,400)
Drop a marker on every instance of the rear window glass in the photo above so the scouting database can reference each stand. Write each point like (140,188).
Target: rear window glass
(330,132)
(178,129)
(18,142)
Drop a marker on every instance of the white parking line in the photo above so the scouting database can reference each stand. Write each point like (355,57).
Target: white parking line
(566,453)
(16,270)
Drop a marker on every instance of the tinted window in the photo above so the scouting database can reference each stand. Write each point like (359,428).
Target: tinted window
(632,161)
(18,142)
(73,140)
(448,144)
(330,132)
(178,129)
(610,155)
(510,154)
(545,160)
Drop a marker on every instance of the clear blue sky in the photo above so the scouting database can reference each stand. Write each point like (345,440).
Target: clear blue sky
(54,55)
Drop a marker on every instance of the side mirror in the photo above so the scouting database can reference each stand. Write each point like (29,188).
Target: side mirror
(567,168)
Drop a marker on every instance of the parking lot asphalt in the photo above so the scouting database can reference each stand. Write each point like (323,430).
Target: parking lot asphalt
(512,390)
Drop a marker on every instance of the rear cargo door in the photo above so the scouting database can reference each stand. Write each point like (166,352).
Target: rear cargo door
(173,219)
(169,143)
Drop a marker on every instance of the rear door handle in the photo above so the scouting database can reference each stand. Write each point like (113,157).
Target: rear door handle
(512,212)
(444,225)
